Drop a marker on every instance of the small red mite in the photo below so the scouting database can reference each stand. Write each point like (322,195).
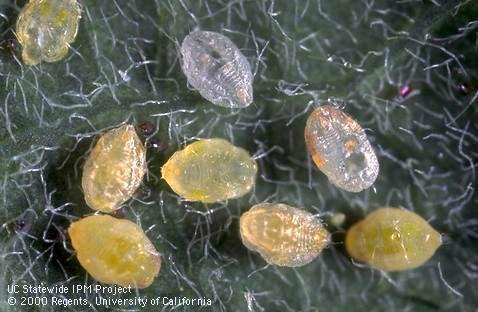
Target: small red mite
(405,90)
(463,88)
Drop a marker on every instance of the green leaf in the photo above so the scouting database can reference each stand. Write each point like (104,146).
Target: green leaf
(124,66)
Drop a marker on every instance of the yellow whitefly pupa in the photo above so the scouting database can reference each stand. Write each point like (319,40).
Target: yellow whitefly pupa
(283,235)
(210,170)
(340,148)
(45,29)
(115,251)
(392,239)
(114,169)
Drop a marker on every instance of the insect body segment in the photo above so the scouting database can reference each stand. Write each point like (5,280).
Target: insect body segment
(46,28)
(114,169)
(392,239)
(115,251)
(215,67)
(341,150)
(283,235)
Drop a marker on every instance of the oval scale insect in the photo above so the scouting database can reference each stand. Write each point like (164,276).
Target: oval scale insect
(283,235)
(115,251)
(340,148)
(114,169)
(392,239)
(215,67)
(46,28)
(210,170)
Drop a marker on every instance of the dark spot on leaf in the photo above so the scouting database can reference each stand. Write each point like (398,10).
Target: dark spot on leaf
(155,145)
(146,128)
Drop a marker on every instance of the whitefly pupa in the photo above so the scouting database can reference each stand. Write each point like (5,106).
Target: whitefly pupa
(210,170)
(114,169)
(283,235)
(392,239)
(46,28)
(115,251)
(340,148)
(215,67)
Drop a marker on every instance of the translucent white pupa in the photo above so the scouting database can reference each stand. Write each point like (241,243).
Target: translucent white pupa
(215,67)
(340,148)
